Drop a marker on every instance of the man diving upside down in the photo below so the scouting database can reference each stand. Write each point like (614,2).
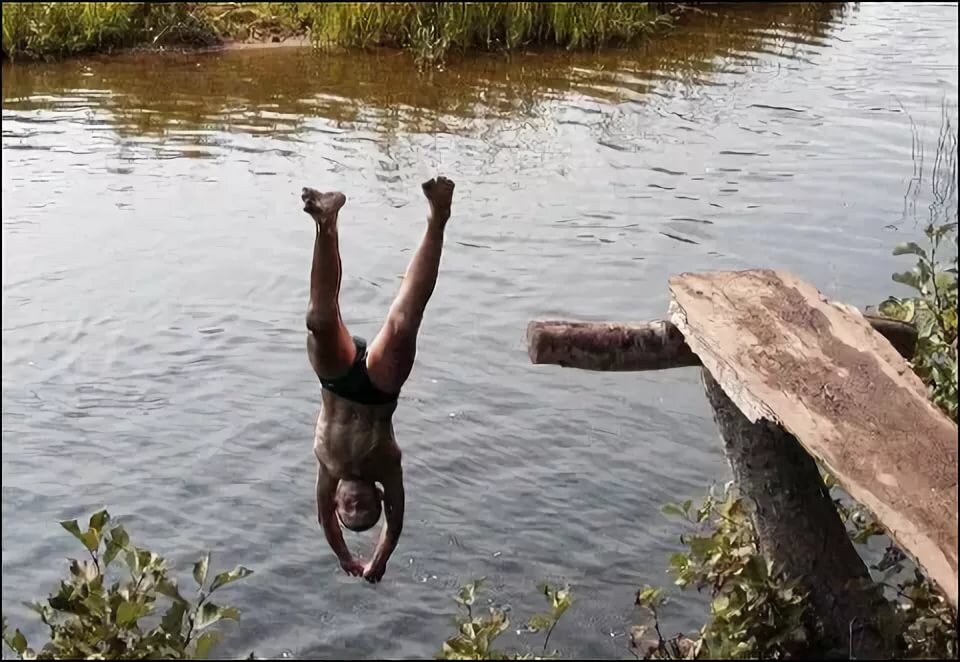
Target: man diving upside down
(354,441)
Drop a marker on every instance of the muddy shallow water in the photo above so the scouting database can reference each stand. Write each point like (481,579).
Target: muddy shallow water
(155,266)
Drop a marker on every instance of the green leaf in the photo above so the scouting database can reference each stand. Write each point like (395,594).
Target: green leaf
(129,612)
(16,641)
(90,540)
(720,604)
(148,560)
(926,322)
(945,282)
(200,569)
(205,642)
(539,622)
(230,613)
(118,542)
(700,547)
(909,248)
(172,622)
(468,593)
(459,649)
(648,596)
(210,613)
(133,561)
(672,510)
(98,520)
(74,528)
(169,588)
(225,578)
(897,309)
(119,536)
(909,278)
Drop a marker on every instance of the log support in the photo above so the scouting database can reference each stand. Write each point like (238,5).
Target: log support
(658,345)
(799,529)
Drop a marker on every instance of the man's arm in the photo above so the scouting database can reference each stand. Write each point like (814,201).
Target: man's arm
(393,505)
(327,516)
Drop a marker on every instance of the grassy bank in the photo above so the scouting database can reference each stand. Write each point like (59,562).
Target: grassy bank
(431,30)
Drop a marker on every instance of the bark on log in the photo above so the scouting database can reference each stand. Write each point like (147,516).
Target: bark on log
(609,346)
(659,345)
(799,528)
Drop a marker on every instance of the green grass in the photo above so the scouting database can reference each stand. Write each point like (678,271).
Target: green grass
(431,30)
(44,29)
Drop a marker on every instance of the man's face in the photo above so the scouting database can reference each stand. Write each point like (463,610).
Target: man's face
(358,504)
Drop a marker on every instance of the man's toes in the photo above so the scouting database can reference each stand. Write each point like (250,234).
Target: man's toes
(428,186)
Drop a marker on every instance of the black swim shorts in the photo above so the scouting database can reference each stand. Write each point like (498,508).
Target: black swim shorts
(356,385)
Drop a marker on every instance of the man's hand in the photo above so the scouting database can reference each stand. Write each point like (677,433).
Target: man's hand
(393,505)
(353,567)
(374,570)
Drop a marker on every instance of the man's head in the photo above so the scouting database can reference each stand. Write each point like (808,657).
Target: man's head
(359,504)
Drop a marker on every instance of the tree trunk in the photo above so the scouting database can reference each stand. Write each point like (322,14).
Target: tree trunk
(799,528)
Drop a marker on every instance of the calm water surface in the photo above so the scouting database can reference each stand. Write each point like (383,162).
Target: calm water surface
(155,264)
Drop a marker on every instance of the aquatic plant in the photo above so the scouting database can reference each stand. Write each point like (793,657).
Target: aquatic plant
(91,618)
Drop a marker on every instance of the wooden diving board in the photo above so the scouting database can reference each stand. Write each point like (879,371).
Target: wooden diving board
(782,352)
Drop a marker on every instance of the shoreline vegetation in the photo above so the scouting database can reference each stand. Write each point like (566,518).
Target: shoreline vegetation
(430,30)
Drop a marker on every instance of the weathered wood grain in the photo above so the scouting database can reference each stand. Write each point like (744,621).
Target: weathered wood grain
(783,353)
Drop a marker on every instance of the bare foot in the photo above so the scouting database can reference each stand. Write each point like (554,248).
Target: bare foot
(439,192)
(323,207)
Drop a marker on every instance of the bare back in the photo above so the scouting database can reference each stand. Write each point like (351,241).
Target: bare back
(355,440)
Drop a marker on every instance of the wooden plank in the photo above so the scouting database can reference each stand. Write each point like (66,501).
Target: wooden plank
(782,352)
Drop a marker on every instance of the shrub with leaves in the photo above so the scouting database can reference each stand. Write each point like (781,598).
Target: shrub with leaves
(755,611)
(933,308)
(476,633)
(92,616)
(933,311)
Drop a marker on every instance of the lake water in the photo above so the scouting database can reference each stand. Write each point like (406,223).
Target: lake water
(155,264)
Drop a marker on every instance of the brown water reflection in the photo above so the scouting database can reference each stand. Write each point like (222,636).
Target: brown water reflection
(154,280)
(261,92)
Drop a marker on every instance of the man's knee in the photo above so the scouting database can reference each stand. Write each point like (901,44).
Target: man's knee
(402,328)
(319,323)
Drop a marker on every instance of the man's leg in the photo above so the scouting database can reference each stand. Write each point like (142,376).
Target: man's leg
(329,344)
(392,352)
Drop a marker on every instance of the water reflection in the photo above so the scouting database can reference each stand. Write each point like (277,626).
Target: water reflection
(190,100)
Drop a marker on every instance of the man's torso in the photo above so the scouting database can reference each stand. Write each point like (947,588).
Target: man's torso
(355,440)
